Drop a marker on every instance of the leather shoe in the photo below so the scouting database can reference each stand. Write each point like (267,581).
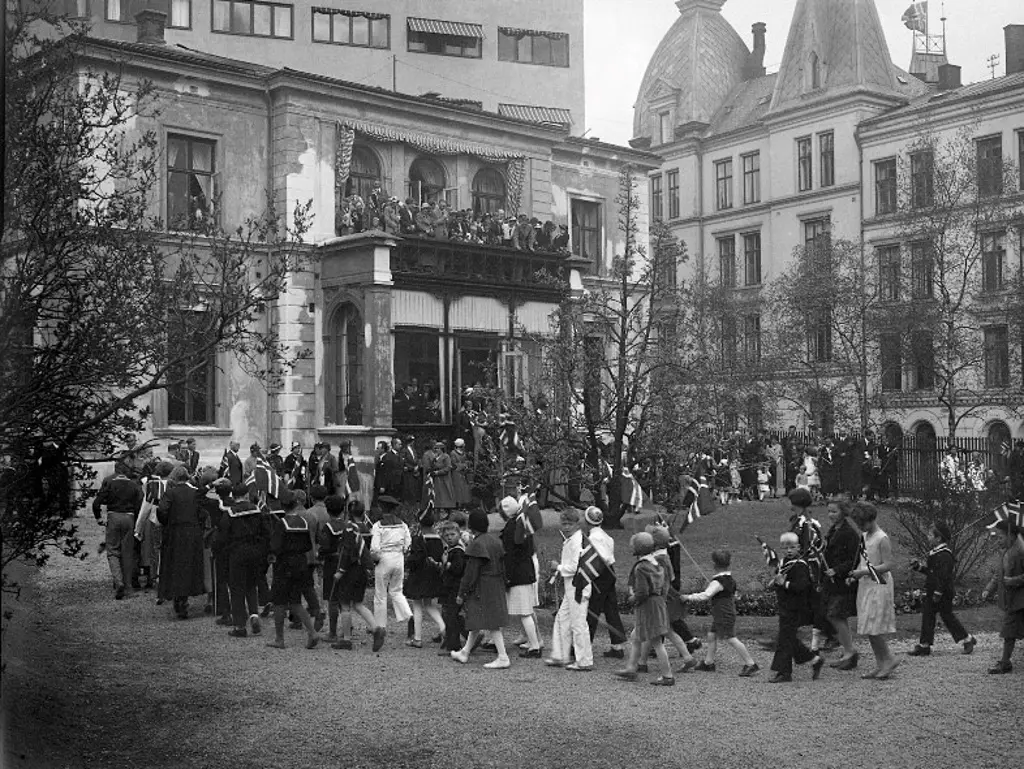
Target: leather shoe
(778,678)
(614,654)
(1001,667)
(528,654)
(919,651)
(848,663)
(663,681)
(969,645)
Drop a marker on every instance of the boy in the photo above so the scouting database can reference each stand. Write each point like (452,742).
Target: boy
(451,566)
(289,544)
(570,631)
(347,563)
(793,586)
(243,534)
(938,593)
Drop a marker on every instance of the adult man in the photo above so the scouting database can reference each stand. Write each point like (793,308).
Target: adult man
(411,473)
(189,457)
(323,468)
(255,455)
(123,499)
(231,464)
(388,480)
(603,599)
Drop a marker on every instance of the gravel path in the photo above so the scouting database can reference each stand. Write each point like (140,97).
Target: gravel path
(93,683)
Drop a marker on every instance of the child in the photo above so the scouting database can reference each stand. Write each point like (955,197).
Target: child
(1009,580)
(482,590)
(390,541)
(674,603)
(762,482)
(570,630)
(289,543)
(736,482)
(810,469)
(938,593)
(723,481)
(451,566)
(792,587)
(423,582)
(647,588)
(347,563)
(721,591)
(876,605)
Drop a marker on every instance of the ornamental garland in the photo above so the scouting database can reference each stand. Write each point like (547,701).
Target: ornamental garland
(518,32)
(434,145)
(351,14)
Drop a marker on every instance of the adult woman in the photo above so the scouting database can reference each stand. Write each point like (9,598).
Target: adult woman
(440,473)
(294,468)
(876,608)
(482,590)
(520,572)
(842,549)
(461,470)
(181,554)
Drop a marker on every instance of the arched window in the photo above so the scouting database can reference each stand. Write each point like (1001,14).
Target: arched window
(823,412)
(924,436)
(364,173)
(488,191)
(1000,442)
(427,180)
(815,71)
(923,459)
(343,344)
(730,415)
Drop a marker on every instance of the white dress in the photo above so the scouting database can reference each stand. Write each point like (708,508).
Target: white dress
(876,607)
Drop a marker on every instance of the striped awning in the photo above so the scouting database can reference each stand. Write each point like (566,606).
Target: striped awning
(440,27)
(536,114)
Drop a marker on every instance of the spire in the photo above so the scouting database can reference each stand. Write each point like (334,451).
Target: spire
(834,46)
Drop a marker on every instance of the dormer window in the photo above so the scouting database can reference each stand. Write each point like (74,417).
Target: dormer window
(665,133)
(815,71)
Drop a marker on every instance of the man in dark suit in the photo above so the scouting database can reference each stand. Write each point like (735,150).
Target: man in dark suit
(389,472)
(411,477)
(231,465)
(189,457)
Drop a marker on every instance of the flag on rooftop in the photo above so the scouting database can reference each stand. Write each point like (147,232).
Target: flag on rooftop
(916,17)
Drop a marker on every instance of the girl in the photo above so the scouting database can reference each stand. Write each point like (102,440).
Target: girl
(520,573)
(423,582)
(842,548)
(647,588)
(1009,581)
(482,591)
(723,481)
(762,482)
(876,608)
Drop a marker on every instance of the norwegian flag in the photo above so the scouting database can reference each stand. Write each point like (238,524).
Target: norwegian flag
(155,488)
(1009,511)
(698,499)
(223,471)
(265,480)
(592,569)
(878,578)
(529,519)
(770,556)
(1005,448)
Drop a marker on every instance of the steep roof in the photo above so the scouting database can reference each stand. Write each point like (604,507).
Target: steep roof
(746,105)
(936,99)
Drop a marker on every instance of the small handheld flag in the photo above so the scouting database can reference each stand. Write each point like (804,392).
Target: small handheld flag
(592,569)
(1012,511)
(771,558)
(875,576)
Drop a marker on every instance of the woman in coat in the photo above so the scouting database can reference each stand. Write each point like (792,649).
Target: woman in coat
(441,474)
(482,591)
(181,556)
(461,470)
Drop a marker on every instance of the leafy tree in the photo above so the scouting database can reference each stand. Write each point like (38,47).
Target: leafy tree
(102,304)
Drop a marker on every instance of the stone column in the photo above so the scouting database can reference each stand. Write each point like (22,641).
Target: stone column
(379,376)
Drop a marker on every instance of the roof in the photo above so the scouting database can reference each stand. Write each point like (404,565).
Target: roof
(534,114)
(969,92)
(441,27)
(746,105)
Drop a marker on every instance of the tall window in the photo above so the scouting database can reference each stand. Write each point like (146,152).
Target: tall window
(922,348)
(993,258)
(444,38)
(885,186)
(360,28)
(241,17)
(752,259)
(364,173)
(823,411)
(77,9)
(190,396)
(427,180)
(586,230)
(533,47)
(181,14)
(827,152)
(190,177)
(673,194)
(656,201)
(816,243)
(723,184)
(665,132)
(752,178)
(815,71)
(488,191)
(922,179)
(117,10)
(891,360)
(889,273)
(997,356)
(344,347)
(922,267)
(752,339)
(820,335)
(804,164)
(727,261)
(990,165)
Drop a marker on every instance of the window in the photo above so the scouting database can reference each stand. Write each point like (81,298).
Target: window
(922,179)
(656,208)
(427,180)
(343,348)
(999,442)
(364,173)
(444,38)
(823,411)
(528,46)
(729,341)
(815,71)
(752,339)
(417,372)
(673,194)
(923,351)
(990,166)
(586,230)
(190,181)
(891,360)
(885,186)
(804,171)
(997,357)
(755,413)
(77,9)
(723,184)
(751,178)
(727,261)
(993,257)
(117,10)
(817,241)
(360,28)
(190,396)
(827,153)
(665,133)
(181,14)
(820,335)
(752,259)
(922,266)
(889,273)
(488,191)
(239,17)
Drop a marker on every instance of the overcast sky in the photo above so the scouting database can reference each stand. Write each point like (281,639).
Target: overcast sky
(621,35)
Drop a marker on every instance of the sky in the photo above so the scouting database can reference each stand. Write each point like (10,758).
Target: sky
(621,35)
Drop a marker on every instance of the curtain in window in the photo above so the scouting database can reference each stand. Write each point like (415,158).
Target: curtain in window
(180,13)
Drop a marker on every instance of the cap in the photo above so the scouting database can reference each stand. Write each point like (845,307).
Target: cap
(459,443)
(594,516)
(296,445)
(387,499)
(479,522)
(509,506)
(254,447)
(275,447)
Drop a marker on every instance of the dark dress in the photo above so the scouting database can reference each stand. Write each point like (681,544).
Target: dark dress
(828,472)
(181,554)
(460,478)
(389,475)
(483,584)
(423,581)
(842,550)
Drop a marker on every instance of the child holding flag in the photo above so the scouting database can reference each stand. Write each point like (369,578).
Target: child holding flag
(570,630)
(793,589)
(876,608)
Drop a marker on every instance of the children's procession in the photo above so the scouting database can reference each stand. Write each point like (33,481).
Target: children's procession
(272,544)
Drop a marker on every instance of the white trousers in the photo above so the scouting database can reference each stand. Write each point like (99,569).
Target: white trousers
(571,629)
(388,581)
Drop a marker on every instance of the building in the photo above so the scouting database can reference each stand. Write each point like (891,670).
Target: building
(756,164)
(523,59)
(382,314)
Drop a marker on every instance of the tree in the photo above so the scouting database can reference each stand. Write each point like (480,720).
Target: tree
(102,304)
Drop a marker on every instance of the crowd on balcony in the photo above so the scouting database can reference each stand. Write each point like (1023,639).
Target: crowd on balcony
(437,220)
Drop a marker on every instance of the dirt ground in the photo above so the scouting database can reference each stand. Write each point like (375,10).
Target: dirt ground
(91,683)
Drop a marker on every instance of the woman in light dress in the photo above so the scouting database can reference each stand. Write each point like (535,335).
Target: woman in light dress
(876,607)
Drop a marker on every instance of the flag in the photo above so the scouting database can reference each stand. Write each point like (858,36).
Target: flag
(266,482)
(223,471)
(529,520)
(592,569)
(916,17)
(878,578)
(770,556)
(1005,449)
(1011,510)
(698,499)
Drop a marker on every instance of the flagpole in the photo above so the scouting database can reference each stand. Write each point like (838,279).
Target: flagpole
(681,545)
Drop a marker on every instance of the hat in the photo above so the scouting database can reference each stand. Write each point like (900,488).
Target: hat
(509,506)
(459,443)
(254,447)
(800,497)
(387,499)
(296,445)
(660,536)
(479,522)
(222,483)
(594,516)
(275,447)
(642,543)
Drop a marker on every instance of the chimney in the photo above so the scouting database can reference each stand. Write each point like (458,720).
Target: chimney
(755,61)
(150,26)
(1014,48)
(949,77)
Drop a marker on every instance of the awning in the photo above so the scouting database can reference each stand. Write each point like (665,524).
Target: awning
(440,27)
(535,114)
(520,32)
